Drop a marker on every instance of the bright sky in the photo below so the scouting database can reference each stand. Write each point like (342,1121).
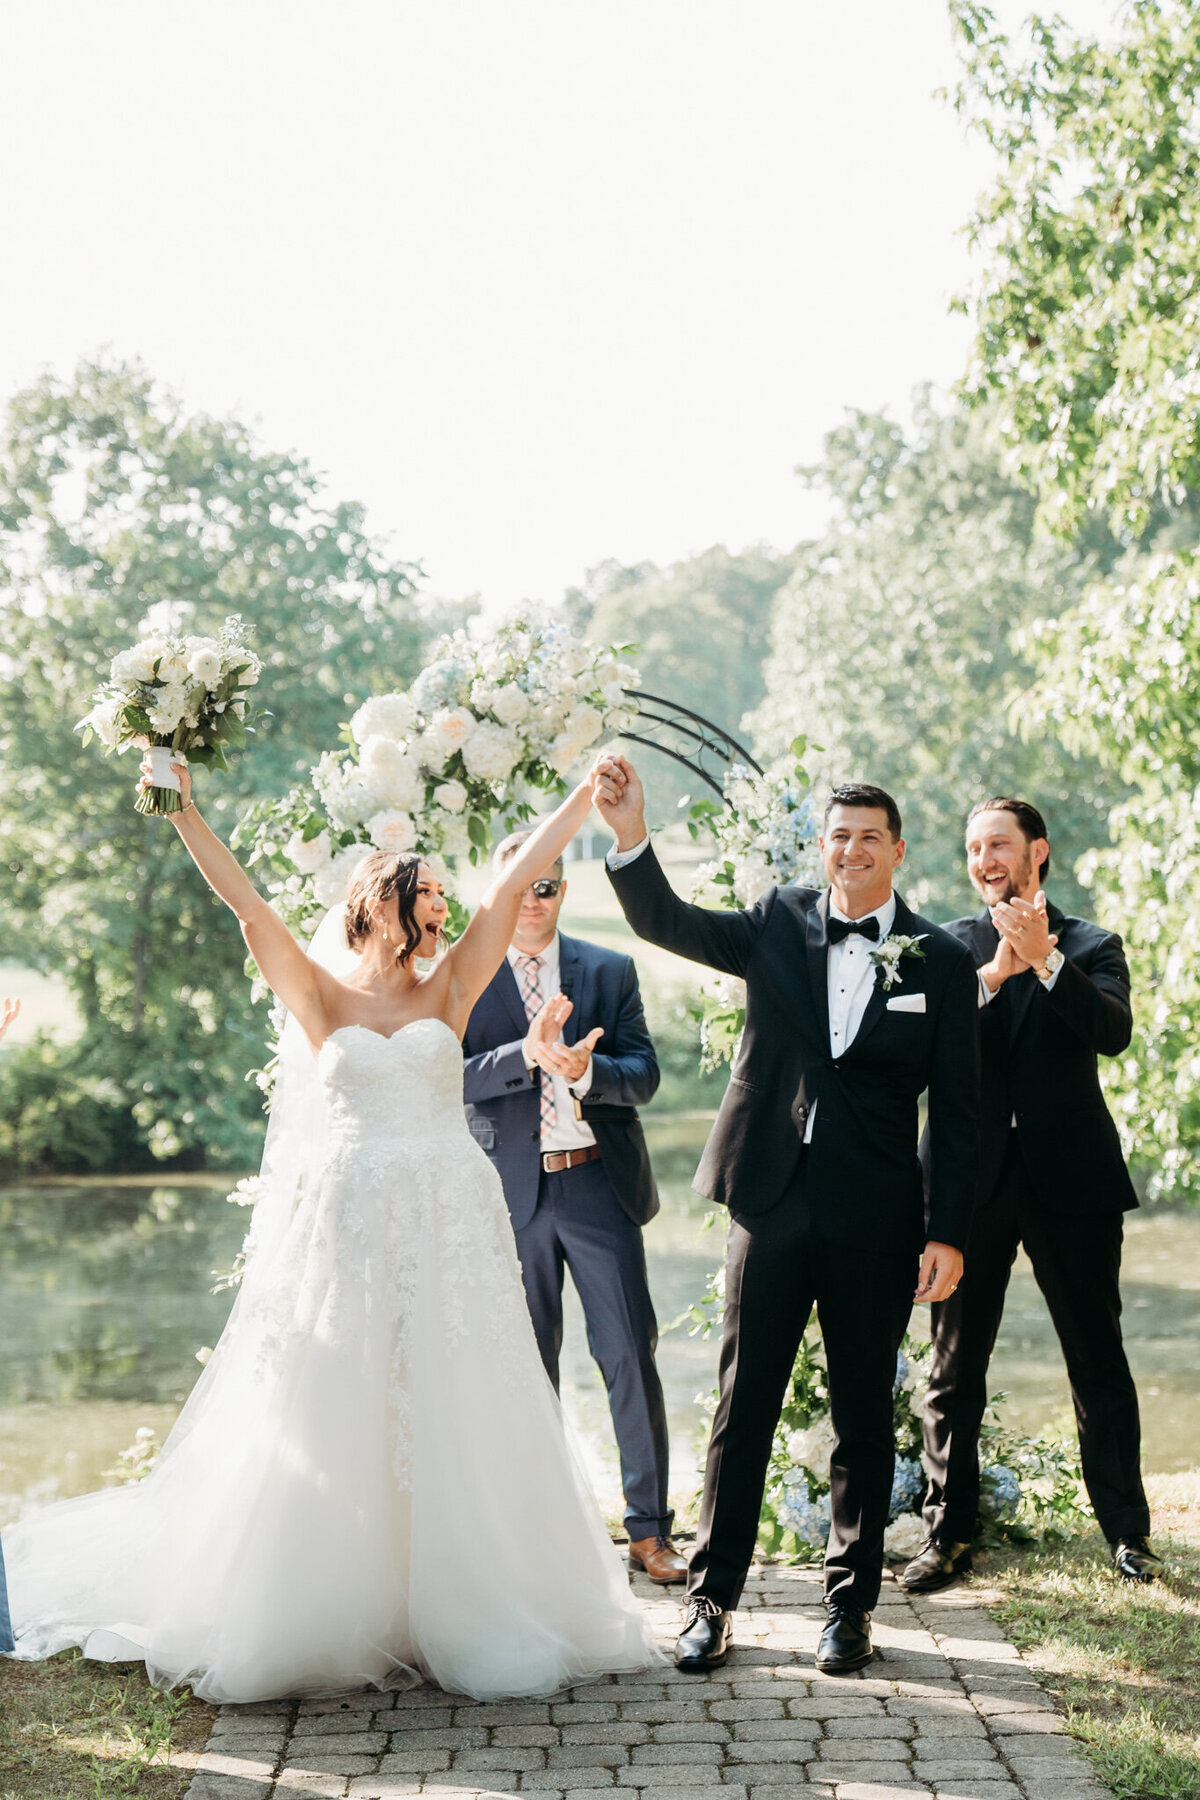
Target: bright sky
(540,282)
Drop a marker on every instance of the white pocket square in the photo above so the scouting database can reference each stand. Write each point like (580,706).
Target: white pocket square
(907,1003)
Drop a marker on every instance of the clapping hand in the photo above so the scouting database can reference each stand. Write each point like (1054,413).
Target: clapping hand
(8,1012)
(1025,928)
(541,1046)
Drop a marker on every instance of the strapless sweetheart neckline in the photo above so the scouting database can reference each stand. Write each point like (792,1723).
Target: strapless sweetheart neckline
(389,1036)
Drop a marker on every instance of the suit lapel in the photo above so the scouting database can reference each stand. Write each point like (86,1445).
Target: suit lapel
(816,944)
(570,972)
(504,982)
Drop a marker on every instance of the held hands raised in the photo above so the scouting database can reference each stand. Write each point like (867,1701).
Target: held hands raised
(619,798)
(541,1048)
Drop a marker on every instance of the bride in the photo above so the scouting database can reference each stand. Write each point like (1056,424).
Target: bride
(370,1483)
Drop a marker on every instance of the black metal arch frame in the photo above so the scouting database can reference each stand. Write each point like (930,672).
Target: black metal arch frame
(689,737)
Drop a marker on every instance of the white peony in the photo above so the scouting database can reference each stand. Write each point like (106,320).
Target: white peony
(392,830)
(307,856)
(451,727)
(138,663)
(510,704)
(904,1537)
(584,726)
(391,774)
(332,883)
(383,715)
(451,796)
(492,752)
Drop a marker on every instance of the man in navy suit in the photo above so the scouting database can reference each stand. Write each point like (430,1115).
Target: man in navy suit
(558,1059)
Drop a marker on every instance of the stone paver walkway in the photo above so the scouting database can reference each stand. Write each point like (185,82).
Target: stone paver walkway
(946,1709)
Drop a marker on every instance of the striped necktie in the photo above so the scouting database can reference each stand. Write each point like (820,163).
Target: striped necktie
(528,974)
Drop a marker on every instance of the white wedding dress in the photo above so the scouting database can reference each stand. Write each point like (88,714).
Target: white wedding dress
(371,1481)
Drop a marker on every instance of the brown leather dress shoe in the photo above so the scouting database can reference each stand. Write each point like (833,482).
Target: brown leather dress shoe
(660,1559)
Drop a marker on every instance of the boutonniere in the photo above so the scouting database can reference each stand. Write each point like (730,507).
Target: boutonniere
(886,956)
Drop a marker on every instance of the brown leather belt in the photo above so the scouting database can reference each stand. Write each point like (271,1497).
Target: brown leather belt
(555,1160)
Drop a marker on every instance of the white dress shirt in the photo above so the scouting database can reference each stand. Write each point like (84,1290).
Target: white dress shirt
(570,1132)
(850,977)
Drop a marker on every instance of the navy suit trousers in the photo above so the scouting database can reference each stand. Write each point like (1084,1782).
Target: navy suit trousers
(580,1224)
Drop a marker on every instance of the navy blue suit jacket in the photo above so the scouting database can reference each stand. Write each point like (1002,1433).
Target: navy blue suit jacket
(503,1097)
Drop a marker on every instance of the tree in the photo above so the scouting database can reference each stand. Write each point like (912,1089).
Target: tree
(894,648)
(114,504)
(1087,303)
(702,627)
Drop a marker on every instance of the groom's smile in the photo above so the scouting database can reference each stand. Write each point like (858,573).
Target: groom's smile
(860,855)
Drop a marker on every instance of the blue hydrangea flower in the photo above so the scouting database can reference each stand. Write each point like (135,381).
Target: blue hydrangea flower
(908,1485)
(901,1373)
(999,1492)
(809,1519)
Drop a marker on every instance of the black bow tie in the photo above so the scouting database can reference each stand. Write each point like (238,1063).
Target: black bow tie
(842,928)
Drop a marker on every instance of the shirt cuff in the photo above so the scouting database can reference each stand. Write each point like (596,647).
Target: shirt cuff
(1048,981)
(579,1088)
(617,859)
(986,995)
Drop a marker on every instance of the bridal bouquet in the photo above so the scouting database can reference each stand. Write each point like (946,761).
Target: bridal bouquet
(180,698)
(485,727)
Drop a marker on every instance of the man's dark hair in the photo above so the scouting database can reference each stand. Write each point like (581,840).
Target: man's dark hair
(1028,818)
(861,793)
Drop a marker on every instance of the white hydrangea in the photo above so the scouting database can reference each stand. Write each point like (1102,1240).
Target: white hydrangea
(451,796)
(391,774)
(392,829)
(383,715)
(451,727)
(451,832)
(167,707)
(332,883)
(492,751)
(904,1537)
(811,1449)
(308,857)
(510,704)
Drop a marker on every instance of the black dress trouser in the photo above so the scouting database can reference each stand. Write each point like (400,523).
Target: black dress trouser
(1077,1265)
(777,1267)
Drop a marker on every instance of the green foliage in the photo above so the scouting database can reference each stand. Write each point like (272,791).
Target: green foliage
(115,505)
(894,644)
(1087,297)
(1086,305)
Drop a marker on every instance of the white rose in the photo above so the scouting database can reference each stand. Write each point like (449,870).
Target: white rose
(167,707)
(391,774)
(383,715)
(451,727)
(607,672)
(482,695)
(331,884)
(307,856)
(491,752)
(509,704)
(392,830)
(451,796)
(452,833)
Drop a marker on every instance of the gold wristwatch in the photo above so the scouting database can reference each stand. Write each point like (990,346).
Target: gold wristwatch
(1053,963)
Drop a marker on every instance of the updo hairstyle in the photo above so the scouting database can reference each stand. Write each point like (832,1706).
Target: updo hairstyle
(378,876)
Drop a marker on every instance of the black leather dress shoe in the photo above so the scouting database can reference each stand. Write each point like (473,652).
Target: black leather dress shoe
(846,1640)
(1134,1560)
(706,1636)
(936,1566)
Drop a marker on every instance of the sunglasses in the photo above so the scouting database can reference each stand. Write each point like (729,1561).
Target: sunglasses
(544,890)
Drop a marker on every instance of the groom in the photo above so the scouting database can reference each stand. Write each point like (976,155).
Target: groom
(815,1153)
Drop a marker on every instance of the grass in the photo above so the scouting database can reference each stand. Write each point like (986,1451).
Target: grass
(77,1730)
(1123,1661)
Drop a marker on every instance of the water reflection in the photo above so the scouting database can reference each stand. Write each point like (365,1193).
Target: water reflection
(104,1301)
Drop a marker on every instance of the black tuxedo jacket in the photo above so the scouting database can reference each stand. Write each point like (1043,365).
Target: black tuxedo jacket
(504,1098)
(1040,1052)
(866,1177)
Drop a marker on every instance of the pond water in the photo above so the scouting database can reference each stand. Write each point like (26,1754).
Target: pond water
(104,1300)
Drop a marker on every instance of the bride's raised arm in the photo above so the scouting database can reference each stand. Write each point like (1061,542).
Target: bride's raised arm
(474,959)
(288,972)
